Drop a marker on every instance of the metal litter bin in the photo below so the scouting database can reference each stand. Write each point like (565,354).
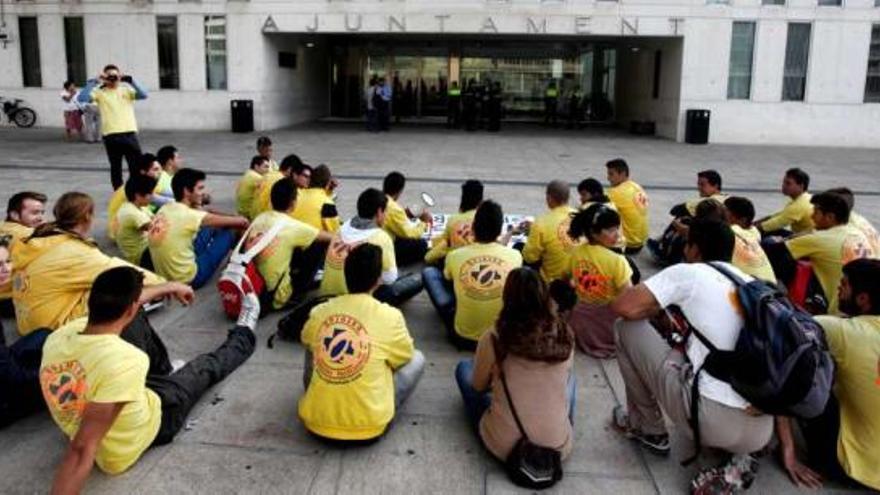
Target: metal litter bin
(697,126)
(242,115)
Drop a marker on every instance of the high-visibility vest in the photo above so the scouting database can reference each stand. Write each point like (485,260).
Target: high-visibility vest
(454,92)
(552,93)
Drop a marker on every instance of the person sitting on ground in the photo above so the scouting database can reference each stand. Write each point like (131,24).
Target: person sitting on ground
(147,165)
(99,389)
(858,221)
(171,161)
(54,268)
(289,263)
(796,216)
(366,227)
(532,350)
(188,244)
(598,275)
(134,220)
(249,184)
(24,212)
(748,255)
(292,168)
(658,379)
(548,246)
(315,205)
(405,229)
(458,231)
(354,398)
(264,149)
(591,191)
(631,202)
(467,293)
(833,244)
(843,443)
(20,393)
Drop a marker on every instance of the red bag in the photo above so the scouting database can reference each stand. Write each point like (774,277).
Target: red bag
(797,290)
(241,275)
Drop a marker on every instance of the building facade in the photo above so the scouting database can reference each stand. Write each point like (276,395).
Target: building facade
(770,71)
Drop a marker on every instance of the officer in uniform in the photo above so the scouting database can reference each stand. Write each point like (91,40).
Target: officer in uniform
(575,110)
(453,106)
(551,101)
(470,105)
(495,107)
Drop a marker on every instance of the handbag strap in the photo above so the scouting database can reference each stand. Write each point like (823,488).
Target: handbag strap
(260,245)
(500,362)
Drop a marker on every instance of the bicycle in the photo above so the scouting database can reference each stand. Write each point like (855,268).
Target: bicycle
(17,113)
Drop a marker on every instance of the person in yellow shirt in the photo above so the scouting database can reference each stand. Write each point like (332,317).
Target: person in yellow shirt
(748,255)
(315,205)
(631,202)
(135,219)
(291,167)
(54,268)
(548,245)
(471,297)
(289,263)
(405,228)
(591,191)
(458,231)
(264,149)
(248,185)
(99,388)
(796,216)
(859,222)
(114,94)
(187,243)
(366,227)
(843,444)
(148,166)
(24,212)
(832,245)
(598,275)
(171,161)
(360,364)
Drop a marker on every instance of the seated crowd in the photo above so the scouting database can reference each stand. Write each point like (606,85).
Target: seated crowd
(88,353)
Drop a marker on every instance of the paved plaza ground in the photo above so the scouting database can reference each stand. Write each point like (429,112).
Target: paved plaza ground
(244,437)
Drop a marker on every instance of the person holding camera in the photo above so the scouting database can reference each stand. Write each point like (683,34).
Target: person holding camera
(115,102)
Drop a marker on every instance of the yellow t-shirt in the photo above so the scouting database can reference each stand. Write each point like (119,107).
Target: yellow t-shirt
(828,250)
(356,344)
(855,346)
(163,184)
(694,203)
(130,237)
(621,237)
(333,282)
(116,201)
(478,273)
(749,256)
(245,191)
(632,204)
(78,369)
(797,215)
(18,232)
(549,243)
(316,208)
(457,233)
(273,262)
(175,226)
(397,224)
(52,277)
(867,229)
(262,199)
(117,109)
(599,274)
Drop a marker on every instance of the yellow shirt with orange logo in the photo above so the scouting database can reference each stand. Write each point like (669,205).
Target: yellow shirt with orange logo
(77,369)
(855,346)
(273,262)
(749,256)
(478,273)
(316,208)
(457,233)
(867,229)
(549,243)
(828,250)
(599,274)
(694,203)
(796,215)
(632,204)
(171,237)
(131,238)
(18,232)
(333,282)
(356,344)
(398,224)
(245,191)
(116,202)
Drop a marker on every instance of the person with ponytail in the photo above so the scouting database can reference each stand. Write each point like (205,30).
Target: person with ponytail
(598,275)
(591,192)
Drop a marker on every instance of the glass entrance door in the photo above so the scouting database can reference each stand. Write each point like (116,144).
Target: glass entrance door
(418,82)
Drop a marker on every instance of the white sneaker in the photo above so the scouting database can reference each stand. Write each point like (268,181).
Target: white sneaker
(250,311)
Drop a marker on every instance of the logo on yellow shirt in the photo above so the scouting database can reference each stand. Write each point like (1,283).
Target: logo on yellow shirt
(462,234)
(268,251)
(343,349)
(855,247)
(64,388)
(590,284)
(158,230)
(640,199)
(562,234)
(338,251)
(747,253)
(483,277)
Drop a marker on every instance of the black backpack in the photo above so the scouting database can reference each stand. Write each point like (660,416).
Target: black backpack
(291,325)
(780,364)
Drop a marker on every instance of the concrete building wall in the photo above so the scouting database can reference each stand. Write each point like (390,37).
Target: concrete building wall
(635,85)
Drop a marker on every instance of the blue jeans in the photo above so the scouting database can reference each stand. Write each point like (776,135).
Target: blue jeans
(20,392)
(476,403)
(211,247)
(442,295)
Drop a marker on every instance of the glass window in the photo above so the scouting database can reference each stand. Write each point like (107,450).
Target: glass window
(872,84)
(831,3)
(215,51)
(30,51)
(742,44)
(797,54)
(772,2)
(166,31)
(75,49)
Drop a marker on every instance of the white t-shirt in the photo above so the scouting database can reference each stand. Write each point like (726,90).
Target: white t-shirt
(708,300)
(71,105)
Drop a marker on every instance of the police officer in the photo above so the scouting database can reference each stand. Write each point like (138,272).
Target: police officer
(551,101)
(453,106)
(469,99)
(495,107)
(575,110)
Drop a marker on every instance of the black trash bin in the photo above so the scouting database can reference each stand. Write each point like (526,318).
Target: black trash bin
(242,115)
(697,126)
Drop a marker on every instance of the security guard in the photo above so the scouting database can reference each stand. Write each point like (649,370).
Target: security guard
(551,101)
(453,106)
(494,104)
(469,99)
(575,110)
